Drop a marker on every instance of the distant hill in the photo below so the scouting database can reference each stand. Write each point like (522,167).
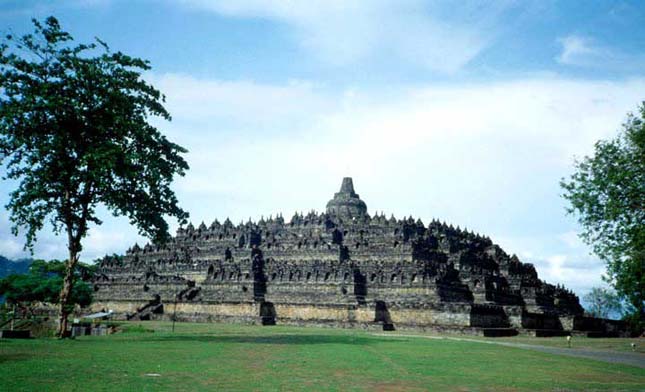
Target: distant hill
(8,267)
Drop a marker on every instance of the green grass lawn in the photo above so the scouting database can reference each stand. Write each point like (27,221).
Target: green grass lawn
(233,357)
(612,344)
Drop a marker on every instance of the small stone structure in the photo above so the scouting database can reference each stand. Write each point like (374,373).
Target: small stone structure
(341,268)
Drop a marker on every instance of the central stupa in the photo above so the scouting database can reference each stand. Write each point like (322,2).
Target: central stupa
(347,203)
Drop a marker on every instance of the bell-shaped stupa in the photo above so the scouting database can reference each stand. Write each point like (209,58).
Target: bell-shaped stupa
(347,203)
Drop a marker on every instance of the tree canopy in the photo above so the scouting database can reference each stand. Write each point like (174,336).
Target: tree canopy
(44,282)
(607,193)
(602,302)
(74,133)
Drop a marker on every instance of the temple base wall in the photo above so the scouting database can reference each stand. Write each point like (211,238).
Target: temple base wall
(341,315)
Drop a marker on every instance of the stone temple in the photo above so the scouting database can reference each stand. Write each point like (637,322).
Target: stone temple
(343,268)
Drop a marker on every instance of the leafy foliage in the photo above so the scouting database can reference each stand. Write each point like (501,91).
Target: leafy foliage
(43,283)
(74,130)
(83,271)
(607,192)
(74,133)
(602,302)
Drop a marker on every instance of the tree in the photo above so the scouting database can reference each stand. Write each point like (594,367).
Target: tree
(602,302)
(43,283)
(607,193)
(74,132)
(82,271)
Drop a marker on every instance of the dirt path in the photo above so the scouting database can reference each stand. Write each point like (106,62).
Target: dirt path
(626,358)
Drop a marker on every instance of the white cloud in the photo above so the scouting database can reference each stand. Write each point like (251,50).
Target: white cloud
(494,144)
(113,237)
(579,276)
(487,156)
(557,258)
(342,32)
(586,52)
(9,247)
(106,240)
(572,240)
(575,48)
(257,105)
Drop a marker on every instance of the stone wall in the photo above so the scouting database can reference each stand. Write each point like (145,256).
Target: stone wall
(343,268)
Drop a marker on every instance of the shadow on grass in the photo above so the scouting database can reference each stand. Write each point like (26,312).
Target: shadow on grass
(14,357)
(295,339)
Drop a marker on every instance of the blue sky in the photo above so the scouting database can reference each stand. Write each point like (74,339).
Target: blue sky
(469,112)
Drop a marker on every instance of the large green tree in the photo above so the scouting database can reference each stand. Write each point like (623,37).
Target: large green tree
(607,193)
(43,283)
(74,134)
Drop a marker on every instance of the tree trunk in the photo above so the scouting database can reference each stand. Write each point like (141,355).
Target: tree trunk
(66,292)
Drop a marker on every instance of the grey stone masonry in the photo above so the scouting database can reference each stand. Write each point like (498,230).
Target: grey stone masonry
(338,268)
(346,203)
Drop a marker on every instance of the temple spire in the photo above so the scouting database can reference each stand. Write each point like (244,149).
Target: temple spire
(348,187)
(347,203)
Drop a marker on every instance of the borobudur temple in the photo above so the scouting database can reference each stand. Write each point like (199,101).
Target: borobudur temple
(341,268)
